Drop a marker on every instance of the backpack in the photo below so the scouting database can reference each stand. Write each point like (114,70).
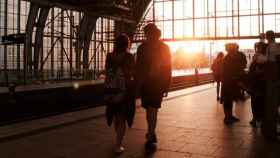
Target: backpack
(115,82)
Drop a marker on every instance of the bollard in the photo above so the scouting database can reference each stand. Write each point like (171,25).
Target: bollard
(196,76)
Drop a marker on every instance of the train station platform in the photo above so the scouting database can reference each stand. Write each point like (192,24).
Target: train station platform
(190,125)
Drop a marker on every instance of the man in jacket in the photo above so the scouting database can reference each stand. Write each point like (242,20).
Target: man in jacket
(231,70)
(153,75)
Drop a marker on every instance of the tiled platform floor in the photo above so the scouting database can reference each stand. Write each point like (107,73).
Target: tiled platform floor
(190,126)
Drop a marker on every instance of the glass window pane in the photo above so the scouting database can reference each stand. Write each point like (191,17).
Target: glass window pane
(244,6)
(159,10)
(179,9)
(179,30)
(187,26)
(269,22)
(221,7)
(245,26)
(187,8)
(200,8)
(223,27)
(269,6)
(254,25)
(200,27)
(167,29)
(167,10)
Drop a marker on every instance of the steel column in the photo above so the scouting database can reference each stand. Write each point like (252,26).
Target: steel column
(38,47)
(52,41)
(238,18)
(193,18)
(33,12)
(71,18)
(62,44)
(87,40)
(80,42)
(215,18)
(262,16)
(5,33)
(18,31)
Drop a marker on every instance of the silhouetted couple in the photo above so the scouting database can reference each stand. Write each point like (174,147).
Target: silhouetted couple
(263,68)
(148,77)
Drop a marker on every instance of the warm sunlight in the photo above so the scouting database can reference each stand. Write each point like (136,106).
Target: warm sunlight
(188,47)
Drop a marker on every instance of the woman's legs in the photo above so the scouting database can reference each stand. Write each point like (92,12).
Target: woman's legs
(120,128)
(257,105)
(260,104)
(254,109)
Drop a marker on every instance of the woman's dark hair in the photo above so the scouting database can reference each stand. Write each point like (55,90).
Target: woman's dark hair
(122,43)
(220,55)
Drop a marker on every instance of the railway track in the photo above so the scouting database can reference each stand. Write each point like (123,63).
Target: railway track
(181,82)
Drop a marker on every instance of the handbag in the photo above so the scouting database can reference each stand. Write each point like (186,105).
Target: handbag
(114,85)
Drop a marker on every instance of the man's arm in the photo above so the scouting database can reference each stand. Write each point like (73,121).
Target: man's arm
(138,67)
(167,70)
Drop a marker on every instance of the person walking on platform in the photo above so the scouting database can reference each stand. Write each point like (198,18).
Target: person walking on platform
(119,96)
(257,82)
(231,71)
(216,67)
(153,76)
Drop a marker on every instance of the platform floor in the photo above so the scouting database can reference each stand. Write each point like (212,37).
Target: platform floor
(190,126)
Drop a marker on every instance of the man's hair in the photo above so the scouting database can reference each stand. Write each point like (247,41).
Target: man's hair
(270,34)
(150,27)
(153,29)
(231,45)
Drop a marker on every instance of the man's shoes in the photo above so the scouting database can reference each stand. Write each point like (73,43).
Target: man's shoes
(234,119)
(150,146)
(153,138)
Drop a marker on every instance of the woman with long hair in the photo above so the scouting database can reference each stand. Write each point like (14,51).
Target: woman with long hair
(118,88)
(216,67)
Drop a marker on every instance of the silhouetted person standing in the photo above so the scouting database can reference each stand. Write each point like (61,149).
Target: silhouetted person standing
(216,67)
(230,81)
(269,122)
(153,75)
(257,82)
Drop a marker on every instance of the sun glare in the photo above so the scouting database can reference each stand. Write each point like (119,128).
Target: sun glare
(187,47)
